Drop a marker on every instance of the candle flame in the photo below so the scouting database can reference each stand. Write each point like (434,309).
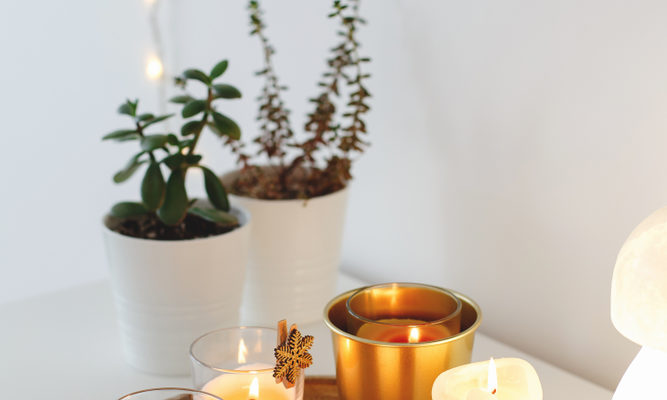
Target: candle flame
(253,393)
(414,335)
(492,385)
(243,352)
(154,68)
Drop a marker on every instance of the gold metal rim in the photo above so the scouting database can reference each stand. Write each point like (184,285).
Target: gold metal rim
(471,330)
(448,292)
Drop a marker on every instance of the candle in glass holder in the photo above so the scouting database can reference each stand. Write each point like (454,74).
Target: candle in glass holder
(237,364)
(403,313)
(502,379)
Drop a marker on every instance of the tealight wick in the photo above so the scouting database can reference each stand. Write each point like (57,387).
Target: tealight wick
(492,383)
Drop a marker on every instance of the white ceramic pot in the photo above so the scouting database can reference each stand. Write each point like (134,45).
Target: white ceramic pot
(295,252)
(168,293)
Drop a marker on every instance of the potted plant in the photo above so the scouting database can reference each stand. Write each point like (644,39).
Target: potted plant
(297,191)
(177,263)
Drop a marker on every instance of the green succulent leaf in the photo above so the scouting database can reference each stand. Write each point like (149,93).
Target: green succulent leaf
(225,91)
(174,161)
(219,69)
(215,129)
(152,142)
(185,143)
(126,209)
(122,134)
(129,170)
(227,126)
(181,99)
(191,127)
(175,203)
(157,119)
(193,108)
(172,139)
(213,215)
(192,159)
(128,108)
(197,75)
(145,117)
(216,192)
(153,187)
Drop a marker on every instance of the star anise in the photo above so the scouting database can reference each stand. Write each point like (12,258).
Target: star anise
(292,356)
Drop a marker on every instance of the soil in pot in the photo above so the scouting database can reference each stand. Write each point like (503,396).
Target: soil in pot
(149,226)
(285,183)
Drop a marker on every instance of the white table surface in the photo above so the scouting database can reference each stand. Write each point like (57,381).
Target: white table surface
(66,346)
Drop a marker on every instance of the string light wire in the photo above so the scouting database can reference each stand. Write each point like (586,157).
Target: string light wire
(155,65)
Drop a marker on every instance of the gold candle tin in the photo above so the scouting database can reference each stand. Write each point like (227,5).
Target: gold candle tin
(390,312)
(372,370)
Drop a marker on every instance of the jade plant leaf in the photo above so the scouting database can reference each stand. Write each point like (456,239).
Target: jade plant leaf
(152,142)
(128,108)
(197,75)
(145,117)
(127,209)
(191,127)
(129,170)
(227,126)
(216,192)
(175,203)
(181,99)
(219,69)
(174,161)
(157,119)
(225,91)
(153,187)
(122,134)
(213,215)
(193,108)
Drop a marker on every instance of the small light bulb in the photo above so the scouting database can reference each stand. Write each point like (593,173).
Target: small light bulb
(154,68)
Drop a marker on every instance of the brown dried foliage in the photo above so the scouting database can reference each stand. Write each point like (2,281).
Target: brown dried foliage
(321,161)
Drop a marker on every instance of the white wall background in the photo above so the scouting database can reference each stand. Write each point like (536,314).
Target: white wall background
(515,144)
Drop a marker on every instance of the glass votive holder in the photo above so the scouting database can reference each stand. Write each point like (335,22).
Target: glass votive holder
(169,394)
(237,364)
(403,313)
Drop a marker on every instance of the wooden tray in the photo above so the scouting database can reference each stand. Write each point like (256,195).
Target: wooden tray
(320,388)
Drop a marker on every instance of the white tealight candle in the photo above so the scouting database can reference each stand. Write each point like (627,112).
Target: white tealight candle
(252,382)
(516,380)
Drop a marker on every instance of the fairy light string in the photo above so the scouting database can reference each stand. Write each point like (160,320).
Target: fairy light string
(155,65)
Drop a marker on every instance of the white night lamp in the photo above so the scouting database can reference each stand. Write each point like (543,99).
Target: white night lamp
(639,307)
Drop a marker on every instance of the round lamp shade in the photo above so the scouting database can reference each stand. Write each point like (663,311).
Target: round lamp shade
(639,284)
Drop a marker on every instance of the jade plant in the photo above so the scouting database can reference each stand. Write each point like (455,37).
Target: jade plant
(318,161)
(165,210)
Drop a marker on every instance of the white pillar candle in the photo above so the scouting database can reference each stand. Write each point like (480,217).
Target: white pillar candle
(516,380)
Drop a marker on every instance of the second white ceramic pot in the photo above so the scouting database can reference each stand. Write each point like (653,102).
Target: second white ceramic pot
(295,251)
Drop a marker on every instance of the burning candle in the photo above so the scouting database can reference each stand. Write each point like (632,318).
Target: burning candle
(503,379)
(252,376)
(403,313)
(372,369)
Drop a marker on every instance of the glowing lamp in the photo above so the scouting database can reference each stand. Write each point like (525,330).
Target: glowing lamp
(639,306)
(154,68)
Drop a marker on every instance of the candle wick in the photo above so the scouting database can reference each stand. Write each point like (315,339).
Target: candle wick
(494,391)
